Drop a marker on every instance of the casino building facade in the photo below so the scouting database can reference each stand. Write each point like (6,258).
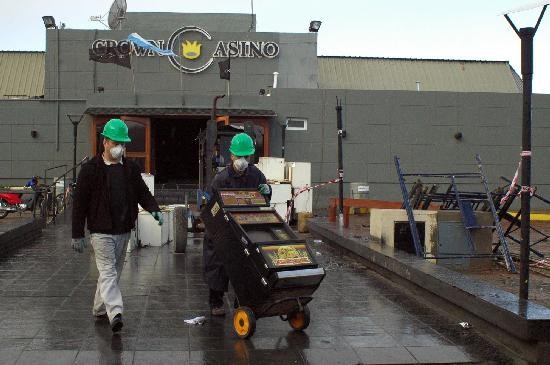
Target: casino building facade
(279,87)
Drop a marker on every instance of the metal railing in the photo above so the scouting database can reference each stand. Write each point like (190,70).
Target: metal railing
(58,202)
(47,202)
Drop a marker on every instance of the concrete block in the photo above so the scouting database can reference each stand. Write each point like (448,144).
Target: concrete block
(444,234)
(382,225)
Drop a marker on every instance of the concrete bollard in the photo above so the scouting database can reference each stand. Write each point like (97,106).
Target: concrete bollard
(302,221)
(180,229)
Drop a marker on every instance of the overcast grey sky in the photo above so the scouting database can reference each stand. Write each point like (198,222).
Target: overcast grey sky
(441,29)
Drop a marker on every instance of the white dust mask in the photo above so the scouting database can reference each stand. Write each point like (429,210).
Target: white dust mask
(117,151)
(240,164)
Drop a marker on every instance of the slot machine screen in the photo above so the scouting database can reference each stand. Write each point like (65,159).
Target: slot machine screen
(256,217)
(286,255)
(242,198)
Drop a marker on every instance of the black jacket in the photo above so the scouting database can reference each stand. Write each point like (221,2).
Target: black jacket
(91,199)
(228,178)
(213,270)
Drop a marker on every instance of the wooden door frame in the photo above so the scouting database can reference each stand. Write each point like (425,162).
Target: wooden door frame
(262,122)
(146,121)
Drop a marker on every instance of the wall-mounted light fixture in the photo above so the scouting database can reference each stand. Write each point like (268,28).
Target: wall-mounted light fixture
(49,22)
(34,133)
(458,136)
(314,26)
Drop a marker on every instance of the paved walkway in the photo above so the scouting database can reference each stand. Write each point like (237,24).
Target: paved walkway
(46,293)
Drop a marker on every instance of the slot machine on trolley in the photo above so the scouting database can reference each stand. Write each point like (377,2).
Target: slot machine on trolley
(271,270)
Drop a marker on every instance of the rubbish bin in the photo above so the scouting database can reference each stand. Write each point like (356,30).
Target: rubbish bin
(358,190)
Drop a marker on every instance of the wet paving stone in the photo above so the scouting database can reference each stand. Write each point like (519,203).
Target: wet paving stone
(357,316)
(50,357)
(8,356)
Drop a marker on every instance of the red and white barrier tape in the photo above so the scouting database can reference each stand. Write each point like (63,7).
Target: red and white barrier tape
(523,189)
(542,263)
(512,186)
(304,189)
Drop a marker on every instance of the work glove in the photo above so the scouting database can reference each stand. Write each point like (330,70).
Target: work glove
(158,217)
(79,244)
(264,189)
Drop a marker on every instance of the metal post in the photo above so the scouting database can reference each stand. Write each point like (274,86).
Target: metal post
(201,161)
(526,35)
(75,131)
(283,138)
(211,136)
(75,120)
(340,159)
(65,189)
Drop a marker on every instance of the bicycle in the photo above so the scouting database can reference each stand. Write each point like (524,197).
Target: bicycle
(65,199)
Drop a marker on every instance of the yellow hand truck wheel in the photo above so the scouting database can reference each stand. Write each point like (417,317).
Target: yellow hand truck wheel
(244,322)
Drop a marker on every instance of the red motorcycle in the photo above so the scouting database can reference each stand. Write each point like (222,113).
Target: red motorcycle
(11,203)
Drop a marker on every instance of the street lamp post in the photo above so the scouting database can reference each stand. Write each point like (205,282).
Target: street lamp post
(341,134)
(526,35)
(75,119)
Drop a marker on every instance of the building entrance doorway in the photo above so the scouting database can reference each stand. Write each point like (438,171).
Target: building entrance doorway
(176,149)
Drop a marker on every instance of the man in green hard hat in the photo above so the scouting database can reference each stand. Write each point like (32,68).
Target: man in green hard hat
(239,174)
(109,189)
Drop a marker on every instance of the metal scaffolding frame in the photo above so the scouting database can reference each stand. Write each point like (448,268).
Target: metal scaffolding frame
(455,198)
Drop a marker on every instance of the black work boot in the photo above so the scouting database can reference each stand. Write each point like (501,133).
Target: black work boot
(116,324)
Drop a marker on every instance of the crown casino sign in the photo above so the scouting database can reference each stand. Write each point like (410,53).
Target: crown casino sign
(193,48)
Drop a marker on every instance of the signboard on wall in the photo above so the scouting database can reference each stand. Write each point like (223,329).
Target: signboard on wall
(194,47)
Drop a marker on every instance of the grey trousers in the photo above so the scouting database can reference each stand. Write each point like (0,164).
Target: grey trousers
(109,252)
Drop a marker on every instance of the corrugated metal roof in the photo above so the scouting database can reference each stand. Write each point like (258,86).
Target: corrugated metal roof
(21,74)
(168,111)
(367,73)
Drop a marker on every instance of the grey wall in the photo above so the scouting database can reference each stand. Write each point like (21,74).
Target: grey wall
(419,127)
(137,22)
(22,156)
(79,77)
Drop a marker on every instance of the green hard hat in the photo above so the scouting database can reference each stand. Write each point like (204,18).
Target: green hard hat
(242,145)
(116,130)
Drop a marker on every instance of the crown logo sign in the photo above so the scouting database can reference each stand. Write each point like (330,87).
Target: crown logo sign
(191,50)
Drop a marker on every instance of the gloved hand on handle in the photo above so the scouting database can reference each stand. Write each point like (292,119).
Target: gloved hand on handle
(158,217)
(79,244)
(264,189)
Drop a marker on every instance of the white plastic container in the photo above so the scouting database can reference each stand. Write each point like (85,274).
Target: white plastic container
(149,232)
(149,181)
(299,173)
(304,201)
(280,193)
(272,167)
(280,208)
